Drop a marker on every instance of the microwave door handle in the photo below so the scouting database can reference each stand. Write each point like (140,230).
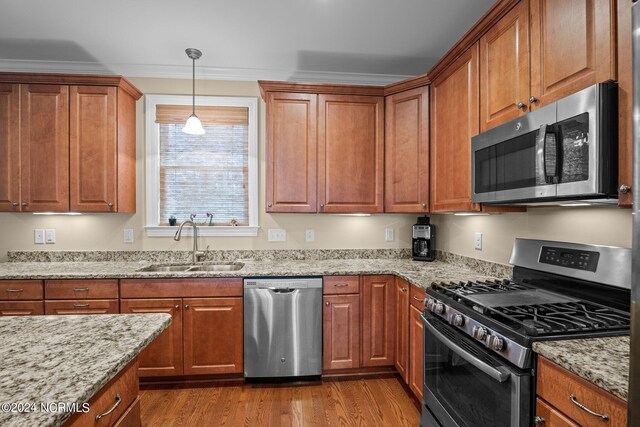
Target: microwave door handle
(497,374)
(541,166)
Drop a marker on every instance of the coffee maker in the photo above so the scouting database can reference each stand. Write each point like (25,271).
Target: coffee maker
(424,240)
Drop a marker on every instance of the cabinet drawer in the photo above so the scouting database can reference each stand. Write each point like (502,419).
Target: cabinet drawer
(81,289)
(82,306)
(417,297)
(131,418)
(121,393)
(12,290)
(555,385)
(332,285)
(181,288)
(21,308)
(551,417)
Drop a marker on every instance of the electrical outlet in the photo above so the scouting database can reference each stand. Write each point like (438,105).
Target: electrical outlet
(388,234)
(277,235)
(49,236)
(38,236)
(477,241)
(127,235)
(309,235)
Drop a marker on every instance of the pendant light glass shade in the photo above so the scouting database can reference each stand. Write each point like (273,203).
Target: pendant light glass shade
(193,125)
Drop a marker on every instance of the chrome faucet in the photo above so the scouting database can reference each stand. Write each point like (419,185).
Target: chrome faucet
(196,253)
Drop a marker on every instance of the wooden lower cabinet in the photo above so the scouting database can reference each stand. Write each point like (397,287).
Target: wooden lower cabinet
(341,332)
(416,351)
(378,320)
(163,357)
(21,308)
(213,336)
(401,361)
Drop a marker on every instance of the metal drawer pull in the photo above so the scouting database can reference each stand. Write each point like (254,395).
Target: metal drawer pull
(14,290)
(113,408)
(416,298)
(341,285)
(80,289)
(404,289)
(584,408)
(80,305)
(539,421)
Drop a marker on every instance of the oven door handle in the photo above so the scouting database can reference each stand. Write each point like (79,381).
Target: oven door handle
(497,374)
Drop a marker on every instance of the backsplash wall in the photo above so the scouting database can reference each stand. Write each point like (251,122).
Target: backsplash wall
(455,233)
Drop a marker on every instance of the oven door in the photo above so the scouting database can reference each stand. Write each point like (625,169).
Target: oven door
(467,385)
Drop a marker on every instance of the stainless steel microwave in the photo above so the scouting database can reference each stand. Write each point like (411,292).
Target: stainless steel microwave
(567,150)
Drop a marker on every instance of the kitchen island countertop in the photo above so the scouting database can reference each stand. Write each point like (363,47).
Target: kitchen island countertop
(66,359)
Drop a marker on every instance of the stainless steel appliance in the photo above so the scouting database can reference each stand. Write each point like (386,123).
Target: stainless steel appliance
(566,150)
(479,366)
(424,240)
(282,327)
(634,375)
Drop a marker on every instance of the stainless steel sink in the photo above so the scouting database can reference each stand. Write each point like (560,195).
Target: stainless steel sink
(233,266)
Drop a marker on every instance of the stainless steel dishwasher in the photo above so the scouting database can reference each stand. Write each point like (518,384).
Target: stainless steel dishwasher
(282,327)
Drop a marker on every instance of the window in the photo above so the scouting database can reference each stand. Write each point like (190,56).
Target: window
(212,178)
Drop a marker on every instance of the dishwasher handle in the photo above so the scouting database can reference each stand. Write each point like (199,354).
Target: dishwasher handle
(281,290)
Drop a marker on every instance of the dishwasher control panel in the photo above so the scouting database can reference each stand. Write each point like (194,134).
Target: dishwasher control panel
(283,283)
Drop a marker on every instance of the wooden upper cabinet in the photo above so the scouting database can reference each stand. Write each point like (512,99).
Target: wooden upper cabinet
(407,151)
(378,320)
(350,154)
(44,147)
(291,153)
(341,332)
(504,68)
(402,328)
(9,148)
(572,46)
(93,148)
(454,120)
(213,339)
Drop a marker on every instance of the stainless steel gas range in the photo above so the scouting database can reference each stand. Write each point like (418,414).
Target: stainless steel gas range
(479,367)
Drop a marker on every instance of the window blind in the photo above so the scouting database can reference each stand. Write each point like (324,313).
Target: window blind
(208,173)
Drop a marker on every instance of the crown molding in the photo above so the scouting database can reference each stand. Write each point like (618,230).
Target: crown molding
(203,73)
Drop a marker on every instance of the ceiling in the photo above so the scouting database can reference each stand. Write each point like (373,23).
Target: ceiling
(349,41)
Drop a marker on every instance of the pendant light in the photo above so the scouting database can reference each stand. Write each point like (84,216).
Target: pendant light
(193,125)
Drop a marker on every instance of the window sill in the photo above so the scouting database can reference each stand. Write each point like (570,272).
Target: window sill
(218,230)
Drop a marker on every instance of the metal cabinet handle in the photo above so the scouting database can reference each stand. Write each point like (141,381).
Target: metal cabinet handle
(14,290)
(416,298)
(327,303)
(584,408)
(269,204)
(80,305)
(404,289)
(110,205)
(624,189)
(80,289)
(113,408)
(177,307)
(14,204)
(186,306)
(24,204)
(521,105)
(539,421)
(533,100)
(424,205)
(322,205)
(341,285)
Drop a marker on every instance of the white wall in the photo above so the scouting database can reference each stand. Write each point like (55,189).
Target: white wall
(455,234)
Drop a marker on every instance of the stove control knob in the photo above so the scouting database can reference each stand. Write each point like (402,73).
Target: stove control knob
(428,303)
(457,320)
(495,343)
(439,308)
(479,333)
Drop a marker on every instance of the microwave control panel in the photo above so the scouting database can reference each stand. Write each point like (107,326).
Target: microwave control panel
(570,258)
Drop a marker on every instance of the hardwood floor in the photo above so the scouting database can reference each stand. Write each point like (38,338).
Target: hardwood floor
(360,402)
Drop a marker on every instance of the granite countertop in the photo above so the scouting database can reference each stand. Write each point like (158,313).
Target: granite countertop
(50,359)
(421,274)
(601,361)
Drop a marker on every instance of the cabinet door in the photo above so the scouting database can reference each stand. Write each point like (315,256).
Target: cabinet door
(454,120)
(625,103)
(407,151)
(291,152)
(504,68)
(21,308)
(60,307)
(416,351)
(163,357)
(378,320)
(213,336)
(572,46)
(9,148)
(44,147)
(93,144)
(350,154)
(551,416)
(402,329)
(341,332)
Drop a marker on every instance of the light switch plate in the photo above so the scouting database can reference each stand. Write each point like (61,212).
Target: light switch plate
(477,241)
(50,236)
(127,235)
(388,234)
(277,235)
(309,235)
(38,236)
